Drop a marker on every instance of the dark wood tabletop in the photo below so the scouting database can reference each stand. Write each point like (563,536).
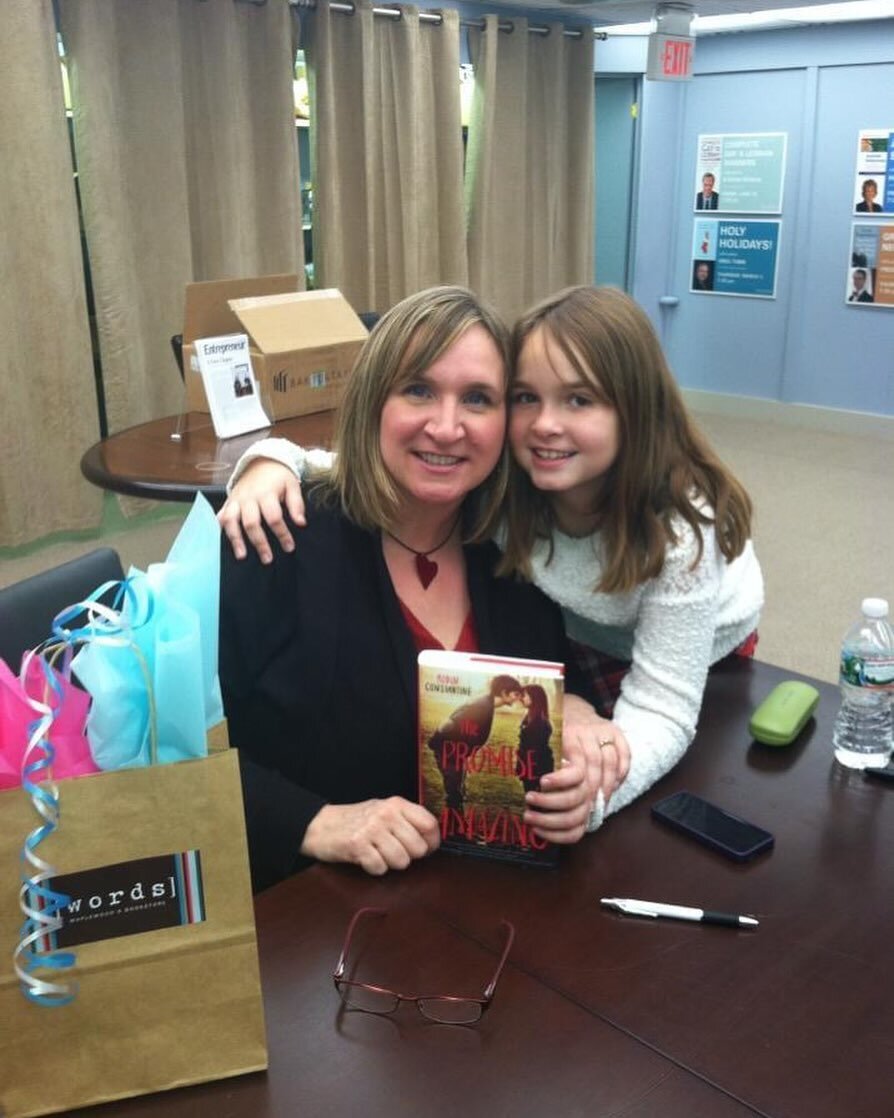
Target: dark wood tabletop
(795,1018)
(535,1052)
(145,461)
(598,1013)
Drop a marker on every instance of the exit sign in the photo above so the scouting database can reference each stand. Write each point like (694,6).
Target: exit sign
(670,58)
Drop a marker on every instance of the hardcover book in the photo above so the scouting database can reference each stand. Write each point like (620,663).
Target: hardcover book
(489,728)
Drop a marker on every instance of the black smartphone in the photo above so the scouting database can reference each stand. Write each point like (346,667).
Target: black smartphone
(884,773)
(709,824)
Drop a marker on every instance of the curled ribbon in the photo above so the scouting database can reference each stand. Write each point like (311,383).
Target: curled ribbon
(42,905)
(39,902)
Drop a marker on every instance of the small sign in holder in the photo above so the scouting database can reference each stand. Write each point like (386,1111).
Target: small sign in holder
(231,388)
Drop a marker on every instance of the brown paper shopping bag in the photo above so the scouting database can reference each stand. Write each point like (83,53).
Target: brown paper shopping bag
(161,847)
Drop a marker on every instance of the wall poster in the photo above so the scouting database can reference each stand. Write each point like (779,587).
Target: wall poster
(874,179)
(735,256)
(870,276)
(740,172)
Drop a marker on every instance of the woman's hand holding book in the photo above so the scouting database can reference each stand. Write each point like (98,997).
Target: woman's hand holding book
(377,835)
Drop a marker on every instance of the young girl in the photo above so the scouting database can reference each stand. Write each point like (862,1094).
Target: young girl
(618,509)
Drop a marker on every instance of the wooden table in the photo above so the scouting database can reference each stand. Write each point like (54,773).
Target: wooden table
(535,1052)
(596,1013)
(144,461)
(795,1019)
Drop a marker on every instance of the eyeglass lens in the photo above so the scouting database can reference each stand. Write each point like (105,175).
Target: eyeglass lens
(450,1011)
(444,1010)
(368,998)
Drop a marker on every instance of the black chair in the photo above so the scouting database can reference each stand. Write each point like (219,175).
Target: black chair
(177,349)
(27,608)
(369,318)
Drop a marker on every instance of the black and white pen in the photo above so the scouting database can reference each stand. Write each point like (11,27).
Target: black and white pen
(678,912)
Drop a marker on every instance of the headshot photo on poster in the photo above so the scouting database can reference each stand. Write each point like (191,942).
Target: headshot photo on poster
(860,286)
(869,190)
(703,275)
(708,198)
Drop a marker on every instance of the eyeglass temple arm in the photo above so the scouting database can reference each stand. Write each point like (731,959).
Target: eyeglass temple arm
(510,938)
(355,920)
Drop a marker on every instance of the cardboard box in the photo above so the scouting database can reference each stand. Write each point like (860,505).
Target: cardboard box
(303,343)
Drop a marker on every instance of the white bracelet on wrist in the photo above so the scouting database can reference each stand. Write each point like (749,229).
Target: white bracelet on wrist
(597,812)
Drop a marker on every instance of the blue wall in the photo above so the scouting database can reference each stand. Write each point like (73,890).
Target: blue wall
(820,85)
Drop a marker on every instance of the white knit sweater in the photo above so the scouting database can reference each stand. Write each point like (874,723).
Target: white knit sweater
(672,628)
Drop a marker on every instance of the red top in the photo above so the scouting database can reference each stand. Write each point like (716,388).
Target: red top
(467,641)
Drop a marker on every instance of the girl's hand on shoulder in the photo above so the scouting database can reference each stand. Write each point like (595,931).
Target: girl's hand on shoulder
(377,835)
(257,499)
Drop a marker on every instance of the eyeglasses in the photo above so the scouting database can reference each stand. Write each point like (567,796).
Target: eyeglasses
(446,1009)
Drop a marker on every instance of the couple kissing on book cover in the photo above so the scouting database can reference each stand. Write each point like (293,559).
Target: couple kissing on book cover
(489,729)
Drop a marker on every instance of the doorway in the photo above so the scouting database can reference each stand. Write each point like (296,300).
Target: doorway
(617,105)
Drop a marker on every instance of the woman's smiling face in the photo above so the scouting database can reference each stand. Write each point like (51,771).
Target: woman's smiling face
(442,434)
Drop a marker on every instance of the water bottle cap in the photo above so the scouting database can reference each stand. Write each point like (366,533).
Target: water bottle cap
(875,607)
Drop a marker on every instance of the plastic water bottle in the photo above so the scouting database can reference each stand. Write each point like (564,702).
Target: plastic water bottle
(864,728)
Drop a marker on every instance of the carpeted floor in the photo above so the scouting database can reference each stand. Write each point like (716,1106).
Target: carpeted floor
(824,532)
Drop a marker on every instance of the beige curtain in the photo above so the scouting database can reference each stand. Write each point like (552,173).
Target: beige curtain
(242,150)
(529,173)
(47,391)
(387,152)
(188,168)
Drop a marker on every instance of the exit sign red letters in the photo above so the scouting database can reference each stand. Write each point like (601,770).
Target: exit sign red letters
(670,58)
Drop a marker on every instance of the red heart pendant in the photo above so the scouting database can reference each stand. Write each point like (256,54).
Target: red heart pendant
(426,569)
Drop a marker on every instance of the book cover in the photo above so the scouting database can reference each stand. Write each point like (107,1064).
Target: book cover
(489,728)
(230,385)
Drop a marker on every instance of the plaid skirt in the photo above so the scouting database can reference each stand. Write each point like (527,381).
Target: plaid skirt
(604,674)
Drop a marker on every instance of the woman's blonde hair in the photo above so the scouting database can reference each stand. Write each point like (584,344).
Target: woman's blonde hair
(664,467)
(404,343)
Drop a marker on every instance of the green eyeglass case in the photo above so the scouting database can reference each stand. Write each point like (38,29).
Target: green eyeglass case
(784,713)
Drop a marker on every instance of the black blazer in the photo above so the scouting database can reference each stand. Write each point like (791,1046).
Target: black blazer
(318,671)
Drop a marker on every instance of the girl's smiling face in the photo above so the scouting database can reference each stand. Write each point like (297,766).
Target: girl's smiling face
(563,432)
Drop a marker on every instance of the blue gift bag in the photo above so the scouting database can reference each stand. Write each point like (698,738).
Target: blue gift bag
(158,657)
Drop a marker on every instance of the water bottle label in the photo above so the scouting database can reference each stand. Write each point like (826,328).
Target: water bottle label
(876,672)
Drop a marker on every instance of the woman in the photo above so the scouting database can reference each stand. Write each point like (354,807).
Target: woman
(618,509)
(318,648)
(534,758)
(869,190)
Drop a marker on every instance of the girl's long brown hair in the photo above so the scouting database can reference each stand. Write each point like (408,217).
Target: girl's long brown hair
(539,708)
(665,467)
